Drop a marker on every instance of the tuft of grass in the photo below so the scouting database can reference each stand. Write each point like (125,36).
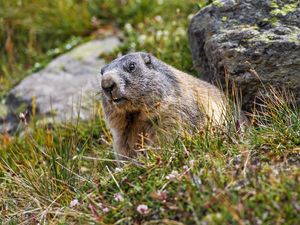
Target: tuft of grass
(67,174)
(29,29)
(160,29)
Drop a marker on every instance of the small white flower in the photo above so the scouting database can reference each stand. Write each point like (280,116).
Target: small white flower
(180,31)
(173,175)
(74,203)
(128,27)
(166,33)
(133,45)
(142,209)
(158,18)
(140,25)
(118,197)
(142,39)
(159,33)
(190,17)
(118,169)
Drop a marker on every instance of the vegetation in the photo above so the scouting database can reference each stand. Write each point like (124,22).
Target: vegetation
(66,174)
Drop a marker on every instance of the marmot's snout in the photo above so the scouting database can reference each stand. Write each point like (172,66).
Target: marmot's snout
(111,87)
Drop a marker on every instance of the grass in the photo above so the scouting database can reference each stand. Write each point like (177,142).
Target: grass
(66,173)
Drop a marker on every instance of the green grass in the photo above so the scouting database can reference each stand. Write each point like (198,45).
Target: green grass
(223,176)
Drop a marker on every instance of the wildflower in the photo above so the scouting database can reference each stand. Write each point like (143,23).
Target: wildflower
(142,209)
(173,175)
(142,39)
(158,18)
(95,21)
(74,203)
(105,210)
(128,27)
(166,33)
(190,17)
(160,2)
(159,33)
(84,169)
(118,169)
(192,162)
(185,168)
(162,195)
(118,197)
(180,31)
(133,45)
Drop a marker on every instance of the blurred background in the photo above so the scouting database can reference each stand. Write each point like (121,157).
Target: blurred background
(34,31)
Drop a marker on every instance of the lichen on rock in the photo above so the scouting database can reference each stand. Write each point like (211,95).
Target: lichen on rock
(258,44)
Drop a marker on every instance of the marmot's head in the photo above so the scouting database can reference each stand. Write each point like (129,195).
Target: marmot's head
(135,80)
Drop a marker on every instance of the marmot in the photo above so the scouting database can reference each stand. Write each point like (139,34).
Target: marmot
(142,94)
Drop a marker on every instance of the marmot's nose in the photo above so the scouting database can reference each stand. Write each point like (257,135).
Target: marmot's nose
(108,85)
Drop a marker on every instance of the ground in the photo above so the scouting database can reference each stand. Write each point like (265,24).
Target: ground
(66,174)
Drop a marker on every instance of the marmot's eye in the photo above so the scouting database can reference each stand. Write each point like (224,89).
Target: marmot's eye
(131,67)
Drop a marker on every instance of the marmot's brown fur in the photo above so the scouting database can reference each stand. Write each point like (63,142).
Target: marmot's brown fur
(142,94)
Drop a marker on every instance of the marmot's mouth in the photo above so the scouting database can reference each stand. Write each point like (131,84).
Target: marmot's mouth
(118,101)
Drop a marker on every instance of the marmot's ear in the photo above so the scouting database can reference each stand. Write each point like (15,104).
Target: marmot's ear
(147,59)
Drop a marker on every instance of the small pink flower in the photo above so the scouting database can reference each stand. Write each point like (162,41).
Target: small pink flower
(105,210)
(185,168)
(192,162)
(74,203)
(118,197)
(162,195)
(142,209)
(173,175)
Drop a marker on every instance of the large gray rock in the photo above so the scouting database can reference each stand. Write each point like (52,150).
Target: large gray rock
(253,42)
(65,89)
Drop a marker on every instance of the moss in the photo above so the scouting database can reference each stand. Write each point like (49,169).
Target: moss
(224,18)
(218,3)
(294,37)
(261,37)
(3,111)
(288,8)
(274,4)
(274,21)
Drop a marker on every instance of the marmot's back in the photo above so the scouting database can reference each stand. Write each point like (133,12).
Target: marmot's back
(209,100)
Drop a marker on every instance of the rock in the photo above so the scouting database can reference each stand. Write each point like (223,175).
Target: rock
(255,43)
(64,90)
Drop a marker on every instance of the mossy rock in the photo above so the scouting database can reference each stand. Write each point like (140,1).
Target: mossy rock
(254,44)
